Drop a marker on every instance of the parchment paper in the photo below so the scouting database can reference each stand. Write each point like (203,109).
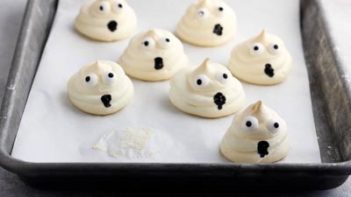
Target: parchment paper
(52,130)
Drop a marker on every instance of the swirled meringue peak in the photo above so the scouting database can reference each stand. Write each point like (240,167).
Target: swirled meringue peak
(106,20)
(208,90)
(153,55)
(100,88)
(257,135)
(207,23)
(262,60)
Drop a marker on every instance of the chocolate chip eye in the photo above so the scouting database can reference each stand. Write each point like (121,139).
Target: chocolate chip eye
(222,77)
(273,126)
(90,79)
(274,48)
(256,49)
(250,123)
(201,81)
(117,5)
(148,42)
(164,43)
(87,78)
(104,7)
(110,78)
(220,9)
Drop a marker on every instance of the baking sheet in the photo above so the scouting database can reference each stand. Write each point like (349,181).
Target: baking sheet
(334,11)
(53,131)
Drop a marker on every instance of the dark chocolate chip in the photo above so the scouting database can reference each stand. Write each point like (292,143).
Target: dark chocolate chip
(87,78)
(248,123)
(219,99)
(218,30)
(199,82)
(112,26)
(110,75)
(225,76)
(262,148)
(158,63)
(268,70)
(106,100)
(276,125)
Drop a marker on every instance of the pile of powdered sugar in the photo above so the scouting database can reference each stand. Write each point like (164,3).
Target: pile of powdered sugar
(131,143)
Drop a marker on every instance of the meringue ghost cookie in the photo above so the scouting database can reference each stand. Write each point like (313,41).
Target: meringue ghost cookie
(263,60)
(106,20)
(257,135)
(208,91)
(100,88)
(207,23)
(153,55)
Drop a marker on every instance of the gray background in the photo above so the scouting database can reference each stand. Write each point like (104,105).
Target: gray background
(11,13)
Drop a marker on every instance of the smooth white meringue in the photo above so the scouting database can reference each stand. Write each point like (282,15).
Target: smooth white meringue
(257,135)
(262,60)
(153,55)
(106,20)
(207,91)
(207,23)
(100,88)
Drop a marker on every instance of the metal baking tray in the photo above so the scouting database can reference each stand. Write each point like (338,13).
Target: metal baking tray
(331,98)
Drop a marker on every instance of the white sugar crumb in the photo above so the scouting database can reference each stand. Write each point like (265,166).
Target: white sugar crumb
(131,143)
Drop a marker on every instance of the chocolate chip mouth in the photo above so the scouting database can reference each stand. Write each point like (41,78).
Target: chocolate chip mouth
(112,26)
(268,70)
(106,100)
(219,99)
(158,63)
(218,30)
(262,148)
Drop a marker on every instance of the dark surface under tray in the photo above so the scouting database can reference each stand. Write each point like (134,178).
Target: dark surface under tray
(331,107)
